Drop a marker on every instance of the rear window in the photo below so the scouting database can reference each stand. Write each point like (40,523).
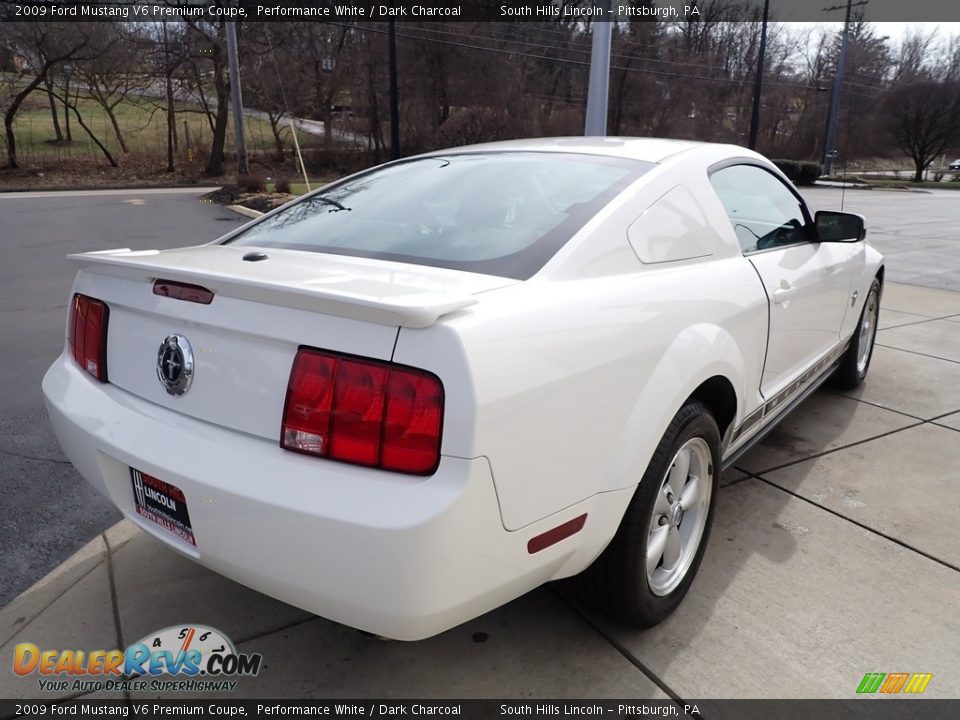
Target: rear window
(496,213)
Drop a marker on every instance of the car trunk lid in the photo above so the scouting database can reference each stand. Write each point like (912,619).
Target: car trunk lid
(243,343)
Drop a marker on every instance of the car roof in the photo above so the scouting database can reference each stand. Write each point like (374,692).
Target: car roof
(654,150)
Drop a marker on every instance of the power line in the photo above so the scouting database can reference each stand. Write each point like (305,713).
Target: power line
(585,50)
(571,61)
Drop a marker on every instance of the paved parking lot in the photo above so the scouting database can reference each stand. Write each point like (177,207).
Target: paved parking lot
(48,512)
(916,231)
(836,552)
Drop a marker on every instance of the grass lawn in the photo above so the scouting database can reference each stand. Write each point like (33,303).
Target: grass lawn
(143,124)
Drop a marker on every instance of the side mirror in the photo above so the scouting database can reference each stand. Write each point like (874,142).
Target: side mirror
(839,226)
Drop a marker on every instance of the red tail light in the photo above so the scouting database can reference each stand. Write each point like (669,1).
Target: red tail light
(365,412)
(87,335)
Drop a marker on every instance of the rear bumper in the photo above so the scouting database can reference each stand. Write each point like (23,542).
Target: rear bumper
(393,555)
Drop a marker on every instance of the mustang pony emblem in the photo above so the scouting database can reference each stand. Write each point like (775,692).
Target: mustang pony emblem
(175,364)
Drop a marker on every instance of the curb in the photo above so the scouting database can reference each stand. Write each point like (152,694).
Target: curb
(88,188)
(245,211)
(36,599)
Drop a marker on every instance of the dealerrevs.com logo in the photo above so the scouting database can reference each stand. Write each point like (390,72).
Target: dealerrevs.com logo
(191,657)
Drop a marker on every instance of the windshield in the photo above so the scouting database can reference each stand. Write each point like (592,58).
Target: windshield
(496,213)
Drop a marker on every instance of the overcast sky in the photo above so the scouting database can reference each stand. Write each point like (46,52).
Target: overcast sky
(895,30)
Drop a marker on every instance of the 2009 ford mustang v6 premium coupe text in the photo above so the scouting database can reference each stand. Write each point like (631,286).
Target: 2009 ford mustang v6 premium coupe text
(420,392)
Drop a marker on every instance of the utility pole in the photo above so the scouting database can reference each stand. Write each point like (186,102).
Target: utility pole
(828,149)
(394,93)
(758,82)
(598,89)
(236,98)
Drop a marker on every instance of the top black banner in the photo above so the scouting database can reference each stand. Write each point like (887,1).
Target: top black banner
(565,11)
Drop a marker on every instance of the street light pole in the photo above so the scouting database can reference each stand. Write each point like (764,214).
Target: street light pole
(598,89)
(758,82)
(833,116)
(394,92)
(236,97)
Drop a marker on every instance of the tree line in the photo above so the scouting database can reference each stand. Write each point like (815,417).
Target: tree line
(462,82)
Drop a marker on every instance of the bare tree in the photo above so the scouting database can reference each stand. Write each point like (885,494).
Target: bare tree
(54,115)
(264,86)
(911,59)
(44,46)
(169,62)
(113,73)
(921,118)
(72,104)
(328,47)
(207,43)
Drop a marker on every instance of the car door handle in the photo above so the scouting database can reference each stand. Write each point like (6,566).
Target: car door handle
(783,293)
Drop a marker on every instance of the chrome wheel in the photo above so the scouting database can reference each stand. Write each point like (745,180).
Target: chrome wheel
(679,516)
(868,330)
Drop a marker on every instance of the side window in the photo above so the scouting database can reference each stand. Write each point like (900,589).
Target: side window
(764,213)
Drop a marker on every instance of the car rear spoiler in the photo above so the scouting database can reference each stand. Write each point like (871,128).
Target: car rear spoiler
(348,287)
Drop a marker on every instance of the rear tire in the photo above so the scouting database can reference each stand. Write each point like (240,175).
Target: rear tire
(856,360)
(649,565)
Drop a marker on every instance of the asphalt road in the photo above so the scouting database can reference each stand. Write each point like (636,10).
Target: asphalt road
(916,231)
(47,511)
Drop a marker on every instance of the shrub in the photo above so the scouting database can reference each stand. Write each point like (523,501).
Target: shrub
(790,168)
(252,182)
(809,172)
(475,125)
(799,172)
(282,185)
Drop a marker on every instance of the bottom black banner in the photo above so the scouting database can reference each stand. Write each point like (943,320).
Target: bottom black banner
(866,708)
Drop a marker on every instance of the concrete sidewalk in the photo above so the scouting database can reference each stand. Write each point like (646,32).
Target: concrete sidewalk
(836,552)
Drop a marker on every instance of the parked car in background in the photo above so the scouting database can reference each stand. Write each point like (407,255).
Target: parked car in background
(955,165)
(424,390)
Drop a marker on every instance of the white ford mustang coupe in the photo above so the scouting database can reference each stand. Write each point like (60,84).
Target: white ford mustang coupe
(425,389)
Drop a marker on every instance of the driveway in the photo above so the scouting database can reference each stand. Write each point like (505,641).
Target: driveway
(48,511)
(915,230)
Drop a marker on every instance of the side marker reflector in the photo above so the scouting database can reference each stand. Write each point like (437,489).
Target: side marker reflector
(552,537)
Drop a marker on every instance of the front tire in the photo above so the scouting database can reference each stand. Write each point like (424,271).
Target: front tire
(856,361)
(649,565)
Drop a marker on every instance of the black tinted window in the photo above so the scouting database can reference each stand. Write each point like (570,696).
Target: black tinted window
(497,213)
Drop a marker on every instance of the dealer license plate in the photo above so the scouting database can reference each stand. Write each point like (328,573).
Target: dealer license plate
(162,503)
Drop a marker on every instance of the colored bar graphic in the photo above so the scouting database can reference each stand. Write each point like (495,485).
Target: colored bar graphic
(918,682)
(870,683)
(894,683)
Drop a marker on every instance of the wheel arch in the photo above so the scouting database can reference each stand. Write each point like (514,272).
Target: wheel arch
(704,362)
(720,397)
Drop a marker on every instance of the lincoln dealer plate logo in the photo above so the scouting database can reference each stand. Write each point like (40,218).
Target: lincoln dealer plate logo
(175,364)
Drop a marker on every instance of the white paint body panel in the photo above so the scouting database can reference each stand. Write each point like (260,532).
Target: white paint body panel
(810,287)
(557,390)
